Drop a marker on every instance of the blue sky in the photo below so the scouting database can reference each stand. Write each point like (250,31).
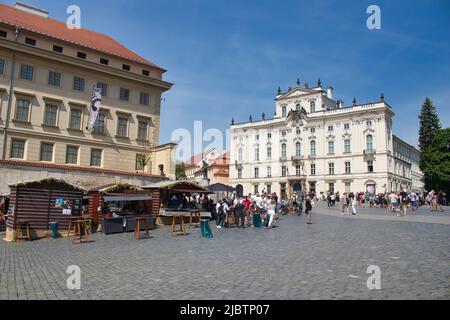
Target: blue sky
(227,58)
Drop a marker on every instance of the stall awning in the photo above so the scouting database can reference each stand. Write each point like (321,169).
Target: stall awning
(126,197)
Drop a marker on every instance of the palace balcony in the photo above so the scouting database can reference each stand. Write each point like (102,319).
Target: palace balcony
(297,158)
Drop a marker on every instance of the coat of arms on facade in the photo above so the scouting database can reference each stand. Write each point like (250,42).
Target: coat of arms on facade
(296,118)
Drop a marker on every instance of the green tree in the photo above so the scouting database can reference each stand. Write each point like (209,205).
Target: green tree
(436,162)
(429,126)
(180,173)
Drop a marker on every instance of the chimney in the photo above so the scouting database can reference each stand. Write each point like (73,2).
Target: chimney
(30,9)
(330,93)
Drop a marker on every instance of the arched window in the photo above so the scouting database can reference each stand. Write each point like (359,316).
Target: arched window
(369,142)
(283,151)
(240,154)
(313,106)
(313,148)
(298,149)
(284,112)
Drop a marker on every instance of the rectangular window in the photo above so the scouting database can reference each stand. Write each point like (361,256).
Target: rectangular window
(256,172)
(78,84)
(298,170)
(256,189)
(126,67)
(122,127)
(144,99)
(145,73)
(330,147)
(256,154)
(330,128)
(331,187)
(103,87)
(140,162)
(96,158)
(23,109)
(269,172)
(283,171)
(313,169)
(348,167)
(370,166)
(331,168)
(347,146)
(269,189)
(75,119)
(2,66)
(26,72)
(51,112)
(17,149)
(54,79)
(346,126)
(72,155)
(143,130)
(269,136)
(124,94)
(30,41)
(81,55)
(58,49)
(100,124)
(3,34)
(46,152)
(269,153)
(104,61)
(239,173)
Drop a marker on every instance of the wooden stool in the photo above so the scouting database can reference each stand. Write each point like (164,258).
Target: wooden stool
(19,226)
(174,225)
(195,214)
(71,221)
(137,227)
(79,225)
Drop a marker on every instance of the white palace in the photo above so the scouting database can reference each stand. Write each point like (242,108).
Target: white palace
(316,143)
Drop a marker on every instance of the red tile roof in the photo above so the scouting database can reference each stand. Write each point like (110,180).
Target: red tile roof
(197,158)
(58,30)
(77,168)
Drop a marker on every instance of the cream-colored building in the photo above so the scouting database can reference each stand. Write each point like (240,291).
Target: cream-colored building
(47,76)
(316,143)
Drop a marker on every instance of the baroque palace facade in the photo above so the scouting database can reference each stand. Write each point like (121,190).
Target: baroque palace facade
(47,76)
(315,143)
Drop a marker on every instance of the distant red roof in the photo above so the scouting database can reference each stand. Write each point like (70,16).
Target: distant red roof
(58,30)
(197,158)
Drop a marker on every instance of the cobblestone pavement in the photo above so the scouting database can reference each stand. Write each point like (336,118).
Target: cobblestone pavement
(326,260)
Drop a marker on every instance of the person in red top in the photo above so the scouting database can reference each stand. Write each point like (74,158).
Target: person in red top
(247,206)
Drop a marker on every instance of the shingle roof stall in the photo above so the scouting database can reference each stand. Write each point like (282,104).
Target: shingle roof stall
(58,30)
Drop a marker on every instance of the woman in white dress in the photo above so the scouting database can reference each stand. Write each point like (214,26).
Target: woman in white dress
(271,213)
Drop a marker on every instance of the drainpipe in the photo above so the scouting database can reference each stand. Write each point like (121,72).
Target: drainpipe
(10,94)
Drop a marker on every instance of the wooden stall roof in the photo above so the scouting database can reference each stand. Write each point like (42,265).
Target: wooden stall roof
(181,186)
(117,188)
(47,181)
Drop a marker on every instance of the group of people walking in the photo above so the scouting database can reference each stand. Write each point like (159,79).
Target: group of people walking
(396,202)
(257,210)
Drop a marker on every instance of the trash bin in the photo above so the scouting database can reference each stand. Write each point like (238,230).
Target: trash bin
(205,229)
(257,222)
(54,229)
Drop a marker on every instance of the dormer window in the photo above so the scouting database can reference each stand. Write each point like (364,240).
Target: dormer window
(58,49)
(145,73)
(104,61)
(81,55)
(126,67)
(30,41)
(3,34)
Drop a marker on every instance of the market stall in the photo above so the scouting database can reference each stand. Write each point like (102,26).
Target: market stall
(41,202)
(179,198)
(116,206)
